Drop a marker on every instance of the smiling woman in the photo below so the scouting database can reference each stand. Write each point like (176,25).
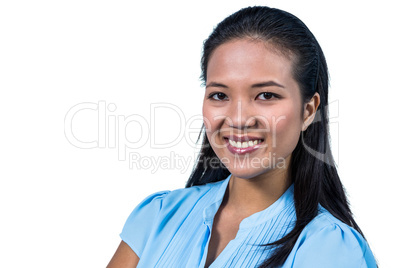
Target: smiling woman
(265,191)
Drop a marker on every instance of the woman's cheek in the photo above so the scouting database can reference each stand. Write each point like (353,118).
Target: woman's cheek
(286,128)
(213,117)
(207,118)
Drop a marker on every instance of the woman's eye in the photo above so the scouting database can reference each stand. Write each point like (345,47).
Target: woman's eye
(266,96)
(218,96)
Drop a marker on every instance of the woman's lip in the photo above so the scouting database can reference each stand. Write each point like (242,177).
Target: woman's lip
(247,150)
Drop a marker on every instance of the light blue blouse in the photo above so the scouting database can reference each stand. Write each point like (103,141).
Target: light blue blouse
(172,229)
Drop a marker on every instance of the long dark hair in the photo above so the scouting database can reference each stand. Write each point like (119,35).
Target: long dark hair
(312,168)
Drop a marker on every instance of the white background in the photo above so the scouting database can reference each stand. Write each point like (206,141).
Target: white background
(63,206)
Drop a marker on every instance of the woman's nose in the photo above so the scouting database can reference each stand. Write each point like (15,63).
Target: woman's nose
(240,116)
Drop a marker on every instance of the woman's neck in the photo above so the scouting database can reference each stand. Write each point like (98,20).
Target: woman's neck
(248,196)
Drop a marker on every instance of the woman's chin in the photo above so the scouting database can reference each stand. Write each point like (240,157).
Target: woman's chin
(247,173)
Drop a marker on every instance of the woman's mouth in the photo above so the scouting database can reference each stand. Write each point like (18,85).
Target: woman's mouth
(242,145)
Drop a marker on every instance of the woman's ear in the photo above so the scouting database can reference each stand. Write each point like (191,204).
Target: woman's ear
(310,108)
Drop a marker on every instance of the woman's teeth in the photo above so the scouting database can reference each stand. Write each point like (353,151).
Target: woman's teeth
(244,144)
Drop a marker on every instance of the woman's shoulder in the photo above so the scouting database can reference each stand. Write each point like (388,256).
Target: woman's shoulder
(166,208)
(328,242)
(326,222)
(165,200)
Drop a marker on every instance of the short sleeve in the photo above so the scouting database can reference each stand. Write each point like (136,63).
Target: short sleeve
(139,224)
(334,247)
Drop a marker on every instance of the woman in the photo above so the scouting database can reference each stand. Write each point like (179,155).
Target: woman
(265,191)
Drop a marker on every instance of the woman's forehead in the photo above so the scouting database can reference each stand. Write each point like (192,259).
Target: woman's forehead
(245,60)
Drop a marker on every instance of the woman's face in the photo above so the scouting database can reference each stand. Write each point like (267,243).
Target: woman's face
(252,107)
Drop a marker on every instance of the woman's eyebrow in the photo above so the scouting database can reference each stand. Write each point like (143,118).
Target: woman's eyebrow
(214,84)
(262,84)
(267,84)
